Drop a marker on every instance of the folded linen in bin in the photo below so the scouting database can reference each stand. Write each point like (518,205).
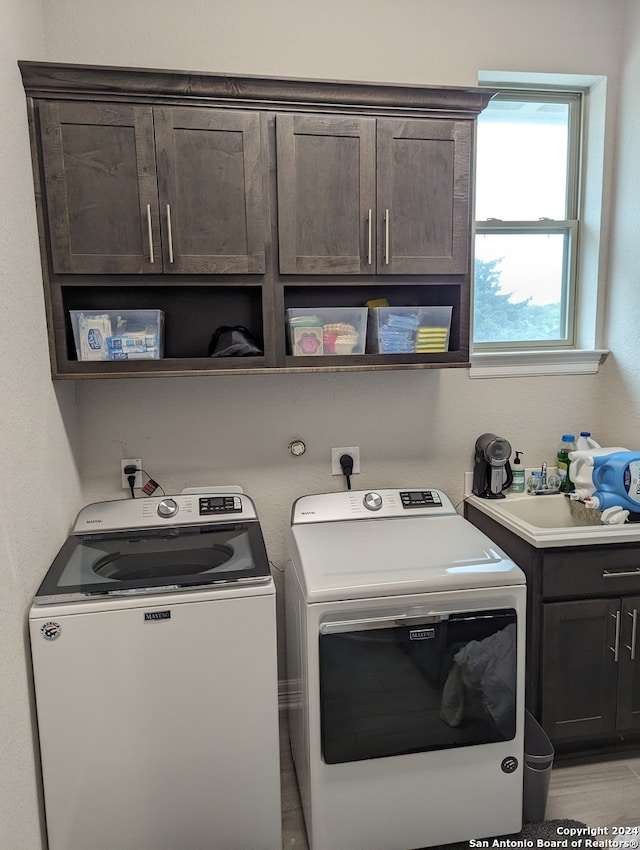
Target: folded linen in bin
(397,334)
(431,339)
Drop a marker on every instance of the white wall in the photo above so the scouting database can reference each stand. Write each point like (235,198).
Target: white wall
(622,372)
(413,427)
(39,483)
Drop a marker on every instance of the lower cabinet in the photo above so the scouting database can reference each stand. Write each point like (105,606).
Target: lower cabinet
(589,669)
(583,645)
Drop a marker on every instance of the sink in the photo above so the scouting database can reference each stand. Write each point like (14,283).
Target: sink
(553,520)
(555,511)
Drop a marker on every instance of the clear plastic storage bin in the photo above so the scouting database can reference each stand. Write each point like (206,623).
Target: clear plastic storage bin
(327,330)
(408,330)
(118,334)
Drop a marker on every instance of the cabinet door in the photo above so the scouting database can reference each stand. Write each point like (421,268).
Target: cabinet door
(629,675)
(101,193)
(579,667)
(211,192)
(326,194)
(424,171)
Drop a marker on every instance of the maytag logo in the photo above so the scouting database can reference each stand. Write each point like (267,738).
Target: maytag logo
(93,521)
(421,634)
(157,615)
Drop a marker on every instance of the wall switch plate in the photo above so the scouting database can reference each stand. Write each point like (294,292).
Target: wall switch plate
(336,454)
(131,461)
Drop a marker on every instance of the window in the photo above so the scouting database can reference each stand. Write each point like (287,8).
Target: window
(527,203)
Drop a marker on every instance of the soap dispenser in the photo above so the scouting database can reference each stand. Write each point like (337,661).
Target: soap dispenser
(517,471)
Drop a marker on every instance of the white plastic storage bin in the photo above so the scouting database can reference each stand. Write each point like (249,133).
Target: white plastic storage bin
(408,330)
(118,334)
(327,330)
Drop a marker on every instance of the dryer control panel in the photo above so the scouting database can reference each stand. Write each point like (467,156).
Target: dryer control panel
(367,504)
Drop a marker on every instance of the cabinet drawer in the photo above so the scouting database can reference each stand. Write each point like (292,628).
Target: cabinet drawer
(602,571)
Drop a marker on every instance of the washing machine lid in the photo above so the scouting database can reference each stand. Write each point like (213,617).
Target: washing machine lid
(173,543)
(402,550)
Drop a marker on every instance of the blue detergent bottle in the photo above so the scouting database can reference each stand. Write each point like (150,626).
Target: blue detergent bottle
(616,478)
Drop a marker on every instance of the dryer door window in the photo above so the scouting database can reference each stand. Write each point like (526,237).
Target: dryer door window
(389,687)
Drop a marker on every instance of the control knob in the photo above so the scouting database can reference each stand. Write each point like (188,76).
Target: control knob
(372,501)
(167,508)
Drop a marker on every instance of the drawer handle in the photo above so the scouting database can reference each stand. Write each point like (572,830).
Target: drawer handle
(626,574)
(634,631)
(616,647)
(150,233)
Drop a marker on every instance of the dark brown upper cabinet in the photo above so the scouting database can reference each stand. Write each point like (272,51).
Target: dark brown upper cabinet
(231,199)
(326,194)
(134,189)
(373,196)
(423,180)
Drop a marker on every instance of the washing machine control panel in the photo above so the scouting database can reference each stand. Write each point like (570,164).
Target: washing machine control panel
(367,504)
(206,506)
(220,505)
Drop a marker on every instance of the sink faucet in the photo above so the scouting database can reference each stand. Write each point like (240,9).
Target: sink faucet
(543,475)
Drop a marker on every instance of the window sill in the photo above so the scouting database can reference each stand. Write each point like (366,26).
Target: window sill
(513,364)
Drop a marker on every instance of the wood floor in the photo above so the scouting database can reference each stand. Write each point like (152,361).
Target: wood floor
(605,793)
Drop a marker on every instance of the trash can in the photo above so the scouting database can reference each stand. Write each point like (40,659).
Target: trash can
(538,761)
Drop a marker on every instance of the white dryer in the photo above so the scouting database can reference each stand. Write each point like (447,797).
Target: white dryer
(153,639)
(405,647)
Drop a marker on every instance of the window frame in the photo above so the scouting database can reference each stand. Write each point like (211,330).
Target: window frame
(569,226)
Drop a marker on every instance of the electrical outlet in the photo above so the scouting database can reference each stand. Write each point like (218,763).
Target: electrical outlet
(336,454)
(131,461)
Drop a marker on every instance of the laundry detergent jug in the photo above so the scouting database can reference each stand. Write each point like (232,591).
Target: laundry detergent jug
(582,465)
(616,481)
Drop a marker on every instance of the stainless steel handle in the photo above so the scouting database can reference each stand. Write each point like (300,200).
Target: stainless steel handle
(170,234)
(634,631)
(635,572)
(616,647)
(369,240)
(387,621)
(150,234)
(386,237)
(361,625)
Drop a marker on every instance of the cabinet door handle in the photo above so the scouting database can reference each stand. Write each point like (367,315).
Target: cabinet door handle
(150,234)
(634,631)
(169,233)
(616,647)
(386,237)
(369,238)
(635,572)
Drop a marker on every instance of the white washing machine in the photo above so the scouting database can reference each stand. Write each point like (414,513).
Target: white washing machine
(153,640)
(405,646)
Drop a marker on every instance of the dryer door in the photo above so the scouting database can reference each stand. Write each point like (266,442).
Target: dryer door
(394,685)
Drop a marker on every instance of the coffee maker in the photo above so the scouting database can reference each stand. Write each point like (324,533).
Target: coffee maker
(491,468)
